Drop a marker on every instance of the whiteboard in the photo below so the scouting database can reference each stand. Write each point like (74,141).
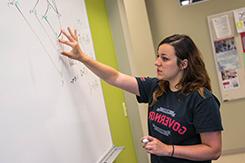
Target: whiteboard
(51,108)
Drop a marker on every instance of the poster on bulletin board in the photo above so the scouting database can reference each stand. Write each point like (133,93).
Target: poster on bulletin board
(227,33)
(243,41)
(239,16)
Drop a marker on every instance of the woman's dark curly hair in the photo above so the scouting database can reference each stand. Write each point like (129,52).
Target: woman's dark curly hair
(195,76)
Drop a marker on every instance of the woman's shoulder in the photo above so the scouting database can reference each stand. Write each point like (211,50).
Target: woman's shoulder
(148,80)
(153,79)
(204,94)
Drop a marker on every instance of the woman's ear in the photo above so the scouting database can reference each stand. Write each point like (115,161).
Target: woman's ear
(184,64)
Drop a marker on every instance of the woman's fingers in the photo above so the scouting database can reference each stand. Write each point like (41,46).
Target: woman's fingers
(68,36)
(76,35)
(73,34)
(72,41)
(150,138)
(67,54)
(66,42)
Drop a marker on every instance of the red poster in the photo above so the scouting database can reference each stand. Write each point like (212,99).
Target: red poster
(243,41)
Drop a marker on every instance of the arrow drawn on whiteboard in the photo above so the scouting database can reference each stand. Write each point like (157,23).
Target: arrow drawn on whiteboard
(49,10)
(16,4)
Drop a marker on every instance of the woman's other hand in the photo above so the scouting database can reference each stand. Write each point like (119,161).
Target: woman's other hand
(156,147)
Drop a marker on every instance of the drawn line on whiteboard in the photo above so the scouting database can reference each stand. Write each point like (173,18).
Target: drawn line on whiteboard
(51,6)
(51,29)
(15,3)
(44,29)
(45,17)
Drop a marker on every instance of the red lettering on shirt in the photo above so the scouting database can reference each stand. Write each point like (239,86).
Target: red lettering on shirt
(171,123)
(157,117)
(168,122)
(176,126)
(182,130)
(151,115)
(162,119)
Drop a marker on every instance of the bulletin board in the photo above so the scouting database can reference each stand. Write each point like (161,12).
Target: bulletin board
(227,33)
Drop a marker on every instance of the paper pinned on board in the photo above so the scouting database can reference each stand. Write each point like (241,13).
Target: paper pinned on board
(222,27)
(239,16)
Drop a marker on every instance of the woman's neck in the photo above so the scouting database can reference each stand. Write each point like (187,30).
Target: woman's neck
(173,83)
(173,88)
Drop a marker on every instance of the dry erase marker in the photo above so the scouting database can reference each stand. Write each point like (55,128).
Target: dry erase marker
(145,141)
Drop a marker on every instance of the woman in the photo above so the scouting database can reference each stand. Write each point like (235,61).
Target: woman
(183,115)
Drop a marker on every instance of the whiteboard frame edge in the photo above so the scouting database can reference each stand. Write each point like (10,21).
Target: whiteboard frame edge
(112,154)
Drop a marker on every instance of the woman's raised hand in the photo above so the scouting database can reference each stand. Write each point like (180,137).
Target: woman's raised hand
(72,41)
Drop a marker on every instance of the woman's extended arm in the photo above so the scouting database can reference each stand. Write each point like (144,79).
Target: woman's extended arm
(107,73)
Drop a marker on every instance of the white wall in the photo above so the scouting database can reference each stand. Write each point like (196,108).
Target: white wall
(234,158)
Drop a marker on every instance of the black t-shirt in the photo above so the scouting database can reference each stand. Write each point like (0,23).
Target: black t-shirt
(177,118)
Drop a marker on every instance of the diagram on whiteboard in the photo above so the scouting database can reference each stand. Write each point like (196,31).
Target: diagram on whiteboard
(44,20)
(45,13)
(52,108)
